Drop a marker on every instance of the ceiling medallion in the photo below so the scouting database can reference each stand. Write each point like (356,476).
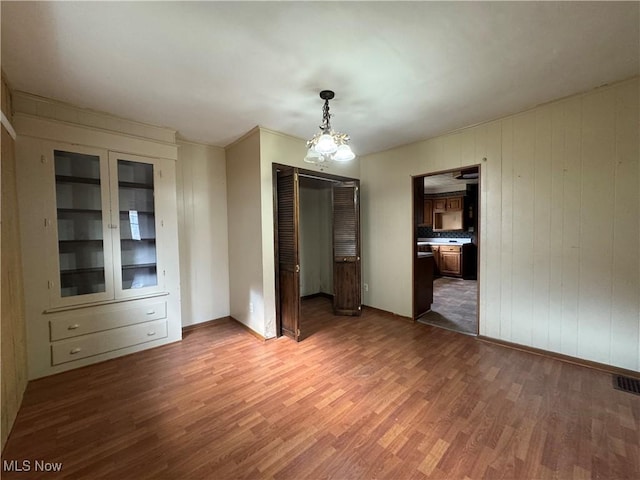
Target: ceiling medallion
(328,146)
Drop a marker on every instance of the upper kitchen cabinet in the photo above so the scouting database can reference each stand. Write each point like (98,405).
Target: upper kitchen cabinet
(427,212)
(448,214)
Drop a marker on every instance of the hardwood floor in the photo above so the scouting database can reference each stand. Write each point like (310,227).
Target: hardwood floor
(361,397)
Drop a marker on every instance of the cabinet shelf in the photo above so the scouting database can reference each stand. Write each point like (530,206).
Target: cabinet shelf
(145,186)
(140,240)
(74,179)
(77,271)
(81,240)
(79,210)
(139,265)
(140,212)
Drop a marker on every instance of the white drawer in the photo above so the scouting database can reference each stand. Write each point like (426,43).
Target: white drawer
(102,342)
(73,324)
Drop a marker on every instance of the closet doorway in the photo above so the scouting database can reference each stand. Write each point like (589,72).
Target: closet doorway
(317,245)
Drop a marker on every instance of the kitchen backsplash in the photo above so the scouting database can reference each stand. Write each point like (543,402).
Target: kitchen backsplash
(427,232)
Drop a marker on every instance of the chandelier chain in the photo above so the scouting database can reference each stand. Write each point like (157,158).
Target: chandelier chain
(326,116)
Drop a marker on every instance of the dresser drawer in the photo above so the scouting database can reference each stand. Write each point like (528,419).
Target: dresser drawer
(73,324)
(102,342)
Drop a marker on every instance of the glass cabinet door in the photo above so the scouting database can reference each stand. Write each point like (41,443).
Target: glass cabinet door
(81,196)
(138,265)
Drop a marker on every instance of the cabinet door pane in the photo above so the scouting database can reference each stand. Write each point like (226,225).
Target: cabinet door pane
(80,227)
(137,225)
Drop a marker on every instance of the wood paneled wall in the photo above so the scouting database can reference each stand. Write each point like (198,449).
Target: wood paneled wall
(202,226)
(559,231)
(12,318)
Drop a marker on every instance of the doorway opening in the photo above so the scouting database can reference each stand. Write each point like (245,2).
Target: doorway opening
(317,246)
(446,249)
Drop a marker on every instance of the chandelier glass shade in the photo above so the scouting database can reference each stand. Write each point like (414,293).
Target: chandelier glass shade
(328,146)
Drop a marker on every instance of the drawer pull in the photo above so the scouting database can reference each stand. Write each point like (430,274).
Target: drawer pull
(151,312)
(151,334)
(73,327)
(75,350)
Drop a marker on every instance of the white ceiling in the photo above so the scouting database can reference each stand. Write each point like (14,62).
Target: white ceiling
(402,71)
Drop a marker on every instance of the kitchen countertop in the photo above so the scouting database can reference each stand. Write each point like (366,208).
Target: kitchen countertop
(443,241)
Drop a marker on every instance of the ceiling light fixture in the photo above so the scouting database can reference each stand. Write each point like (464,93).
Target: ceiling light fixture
(328,146)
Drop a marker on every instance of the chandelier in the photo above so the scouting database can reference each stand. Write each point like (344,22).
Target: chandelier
(328,146)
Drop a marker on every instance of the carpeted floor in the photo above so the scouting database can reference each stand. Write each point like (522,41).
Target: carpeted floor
(455,305)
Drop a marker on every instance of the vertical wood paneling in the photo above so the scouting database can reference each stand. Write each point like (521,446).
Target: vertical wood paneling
(571,230)
(506,233)
(203,232)
(560,223)
(451,151)
(596,221)
(184,187)
(480,151)
(468,148)
(523,208)
(625,295)
(541,228)
(491,245)
(12,309)
(555,253)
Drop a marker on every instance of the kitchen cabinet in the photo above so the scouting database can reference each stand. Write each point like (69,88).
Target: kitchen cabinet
(451,260)
(448,214)
(448,203)
(454,203)
(439,204)
(427,212)
(455,260)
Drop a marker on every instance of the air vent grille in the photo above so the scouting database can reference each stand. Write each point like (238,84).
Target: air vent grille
(626,384)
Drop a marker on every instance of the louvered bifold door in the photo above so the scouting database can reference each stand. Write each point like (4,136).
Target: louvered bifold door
(288,255)
(346,249)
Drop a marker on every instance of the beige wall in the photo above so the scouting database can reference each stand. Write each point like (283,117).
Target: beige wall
(246,297)
(560,235)
(202,224)
(12,316)
(315,241)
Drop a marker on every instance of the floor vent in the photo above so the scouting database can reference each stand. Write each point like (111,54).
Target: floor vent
(626,384)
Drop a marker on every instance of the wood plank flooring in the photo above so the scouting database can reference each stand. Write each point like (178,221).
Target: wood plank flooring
(367,397)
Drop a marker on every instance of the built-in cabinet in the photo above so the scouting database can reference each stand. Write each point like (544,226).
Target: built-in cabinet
(100,244)
(105,228)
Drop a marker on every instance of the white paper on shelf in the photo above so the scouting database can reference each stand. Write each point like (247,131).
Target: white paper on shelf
(133,223)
